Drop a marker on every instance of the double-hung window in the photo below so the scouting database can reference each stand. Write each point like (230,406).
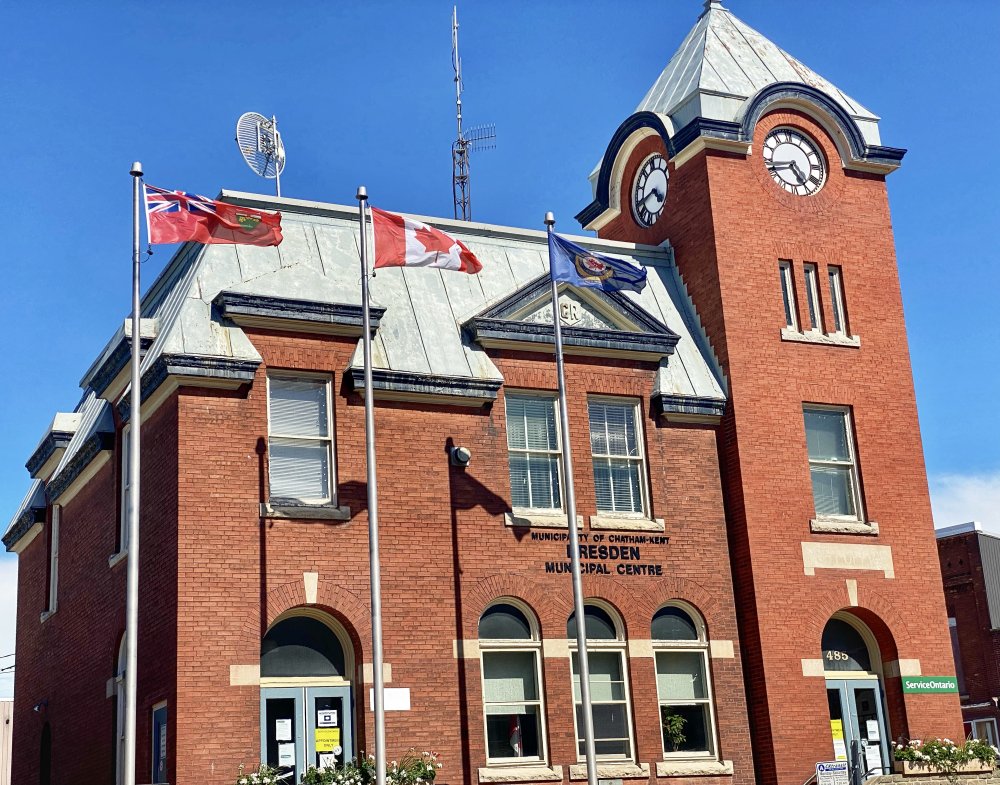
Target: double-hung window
(512,697)
(837,300)
(608,685)
(832,463)
(54,559)
(300,441)
(126,491)
(534,453)
(687,717)
(812,296)
(788,295)
(618,456)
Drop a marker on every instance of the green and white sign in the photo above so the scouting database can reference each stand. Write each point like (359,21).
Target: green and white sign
(930,684)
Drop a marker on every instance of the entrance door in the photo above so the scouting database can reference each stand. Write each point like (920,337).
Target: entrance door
(305,726)
(857,726)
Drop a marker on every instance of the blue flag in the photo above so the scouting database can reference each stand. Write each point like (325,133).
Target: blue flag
(580,267)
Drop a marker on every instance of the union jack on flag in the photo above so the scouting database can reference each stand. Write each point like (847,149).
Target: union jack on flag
(178,217)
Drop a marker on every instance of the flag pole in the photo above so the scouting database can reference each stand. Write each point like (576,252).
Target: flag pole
(376,577)
(574,539)
(132,575)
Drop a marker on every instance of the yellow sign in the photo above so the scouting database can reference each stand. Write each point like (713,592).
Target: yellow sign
(837,729)
(327,739)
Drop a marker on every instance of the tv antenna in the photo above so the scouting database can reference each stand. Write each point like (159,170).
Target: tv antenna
(481,137)
(261,146)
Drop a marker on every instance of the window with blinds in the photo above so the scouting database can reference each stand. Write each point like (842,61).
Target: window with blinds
(534,454)
(300,444)
(832,464)
(619,464)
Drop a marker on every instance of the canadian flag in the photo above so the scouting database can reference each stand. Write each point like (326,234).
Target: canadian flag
(403,242)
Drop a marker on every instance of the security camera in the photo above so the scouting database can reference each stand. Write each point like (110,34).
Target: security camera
(460,456)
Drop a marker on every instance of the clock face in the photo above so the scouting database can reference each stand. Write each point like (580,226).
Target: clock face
(649,193)
(794,161)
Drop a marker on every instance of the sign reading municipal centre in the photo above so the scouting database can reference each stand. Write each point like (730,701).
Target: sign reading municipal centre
(930,684)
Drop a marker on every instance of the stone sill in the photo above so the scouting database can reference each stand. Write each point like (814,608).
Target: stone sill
(826,339)
(694,768)
(837,526)
(611,771)
(539,773)
(308,512)
(115,558)
(623,523)
(535,520)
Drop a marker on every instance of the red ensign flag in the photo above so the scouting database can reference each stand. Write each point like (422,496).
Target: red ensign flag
(176,217)
(403,242)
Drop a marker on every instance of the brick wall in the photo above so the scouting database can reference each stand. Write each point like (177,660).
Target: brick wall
(446,554)
(729,225)
(68,659)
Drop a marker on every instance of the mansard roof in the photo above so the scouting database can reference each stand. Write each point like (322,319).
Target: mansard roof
(195,313)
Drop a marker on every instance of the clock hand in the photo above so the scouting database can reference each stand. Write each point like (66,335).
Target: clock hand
(798,172)
(655,192)
(785,165)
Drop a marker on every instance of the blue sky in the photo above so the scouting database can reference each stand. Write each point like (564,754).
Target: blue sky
(363,94)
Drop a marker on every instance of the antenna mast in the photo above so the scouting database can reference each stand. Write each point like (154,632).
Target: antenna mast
(480,137)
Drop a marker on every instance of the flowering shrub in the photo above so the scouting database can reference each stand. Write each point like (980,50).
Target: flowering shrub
(411,769)
(944,754)
(264,775)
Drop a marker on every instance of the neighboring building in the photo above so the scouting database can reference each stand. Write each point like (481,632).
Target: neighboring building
(970,567)
(759,549)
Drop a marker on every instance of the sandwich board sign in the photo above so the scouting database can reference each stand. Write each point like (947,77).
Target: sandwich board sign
(833,772)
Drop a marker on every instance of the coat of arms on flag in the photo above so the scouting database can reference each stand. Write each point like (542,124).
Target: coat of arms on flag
(177,217)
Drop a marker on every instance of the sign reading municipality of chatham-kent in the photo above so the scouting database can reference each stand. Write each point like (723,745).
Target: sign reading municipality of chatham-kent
(930,684)
(604,554)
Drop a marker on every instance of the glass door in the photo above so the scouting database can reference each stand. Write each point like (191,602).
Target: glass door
(869,727)
(857,726)
(282,731)
(329,734)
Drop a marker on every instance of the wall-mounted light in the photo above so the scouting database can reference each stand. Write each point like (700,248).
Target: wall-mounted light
(460,456)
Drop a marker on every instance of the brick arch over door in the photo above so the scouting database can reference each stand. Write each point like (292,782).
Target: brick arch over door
(353,613)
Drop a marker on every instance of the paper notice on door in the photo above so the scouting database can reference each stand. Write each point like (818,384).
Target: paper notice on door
(326,718)
(286,754)
(872,726)
(873,759)
(327,739)
(327,760)
(837,732)
(282,730)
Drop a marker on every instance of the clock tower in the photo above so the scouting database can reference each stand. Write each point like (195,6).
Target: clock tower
(769,184)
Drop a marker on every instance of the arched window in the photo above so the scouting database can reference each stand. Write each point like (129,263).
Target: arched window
(608,684)
(683,685)
(301,646)
(844,648)
(514,713)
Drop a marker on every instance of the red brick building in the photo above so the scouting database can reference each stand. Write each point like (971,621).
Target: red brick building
(970,567)
(750,480)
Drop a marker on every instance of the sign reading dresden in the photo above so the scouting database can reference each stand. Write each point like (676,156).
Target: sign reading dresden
(930,684)
(600,554)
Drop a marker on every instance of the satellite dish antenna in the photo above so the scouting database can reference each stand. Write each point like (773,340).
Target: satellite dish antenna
(261,146)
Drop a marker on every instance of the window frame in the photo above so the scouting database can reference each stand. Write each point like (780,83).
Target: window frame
(552,398)
(517,645)
(852,464)
(155,749)
(699,646)
(620,647)
(329,439)
(646,513)
(53,593)
(835,276)
(988,722)
(125,489)
(810,271)
(787,277)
